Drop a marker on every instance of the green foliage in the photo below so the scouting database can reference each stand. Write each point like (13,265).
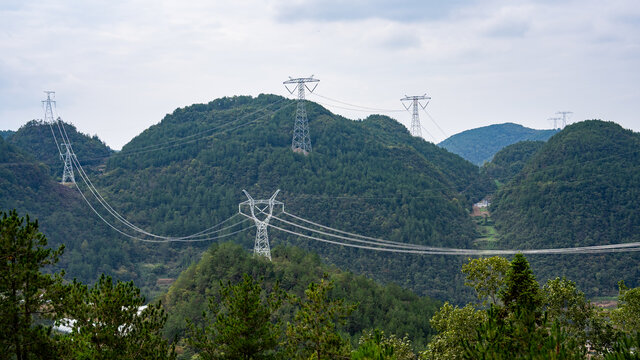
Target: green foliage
(241,325)
(26,294)
(455,326)
(479,145)
(517,338)
(389,308)
(91,246)
(112,323)
(313,334)
(6,133)
(627,315)
(579,189)
(375,345)
(521,292)
(35,138)
(486,277)
(509,161)
(369,177)
(626,348)
(567,306)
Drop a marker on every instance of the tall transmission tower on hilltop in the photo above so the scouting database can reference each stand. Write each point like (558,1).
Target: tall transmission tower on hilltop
(565,116)
(416,128)
(49,104)
(301,141)
(263,208)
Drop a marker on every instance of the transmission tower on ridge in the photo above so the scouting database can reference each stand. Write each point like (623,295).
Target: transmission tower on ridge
(301,141)
(264,209)
(555,122)
(49,104)
(564,117)
(416,128)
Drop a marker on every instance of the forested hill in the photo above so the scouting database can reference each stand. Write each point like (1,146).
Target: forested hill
(480,144)
(370,177)
(581,188)
(91,247)
(35,138)
(6,133)
(390,308)
(508,162)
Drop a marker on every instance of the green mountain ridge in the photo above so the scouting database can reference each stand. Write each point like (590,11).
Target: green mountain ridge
(481,144)
(509,161)
(36,139)
(371,177)
(6,133)
(579,189)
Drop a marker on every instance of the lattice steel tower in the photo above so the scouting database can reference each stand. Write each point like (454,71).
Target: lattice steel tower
(265,210)
(49,104)
(301,141)
(564,117)
(555,122)
(416,128)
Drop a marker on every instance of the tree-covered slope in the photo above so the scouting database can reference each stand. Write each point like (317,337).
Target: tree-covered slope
(479,145)
(36,139)
(508,162)
(369,177)
(580,189)
(91,247)
(390,308)
(6,133)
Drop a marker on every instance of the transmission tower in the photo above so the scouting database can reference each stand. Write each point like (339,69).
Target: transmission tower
(555,122)
(264,210)
(416,128)
(565,116)
(301,141)
(49,104)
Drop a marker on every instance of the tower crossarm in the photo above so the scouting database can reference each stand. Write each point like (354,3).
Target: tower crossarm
(416,102)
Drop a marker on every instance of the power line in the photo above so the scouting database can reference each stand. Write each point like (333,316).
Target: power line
(626,247)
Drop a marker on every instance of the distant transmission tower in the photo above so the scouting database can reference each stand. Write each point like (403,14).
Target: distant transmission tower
(416,128)
(555,122)
(565,116)
(301,141)
(49,104)
(263,209)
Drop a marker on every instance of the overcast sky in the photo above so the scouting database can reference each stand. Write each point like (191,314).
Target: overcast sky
(118,67)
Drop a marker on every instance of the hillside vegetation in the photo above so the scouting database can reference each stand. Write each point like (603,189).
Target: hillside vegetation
(508,162)
(187,173)
(35,138)
(390,308)
(480,144)
(6,133)
(369,177)
(91,247)
(580,189)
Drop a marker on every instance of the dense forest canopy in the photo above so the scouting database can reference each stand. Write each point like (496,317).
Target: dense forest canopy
(580,188)
(508,162)
(369,177)
(6,133)
(390,308)
(479,145)
(35,138)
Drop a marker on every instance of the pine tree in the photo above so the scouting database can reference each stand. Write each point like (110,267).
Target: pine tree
(313,334)
(26,294)
(243,325)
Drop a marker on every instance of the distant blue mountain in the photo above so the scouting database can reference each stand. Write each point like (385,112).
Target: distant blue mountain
(479,145)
